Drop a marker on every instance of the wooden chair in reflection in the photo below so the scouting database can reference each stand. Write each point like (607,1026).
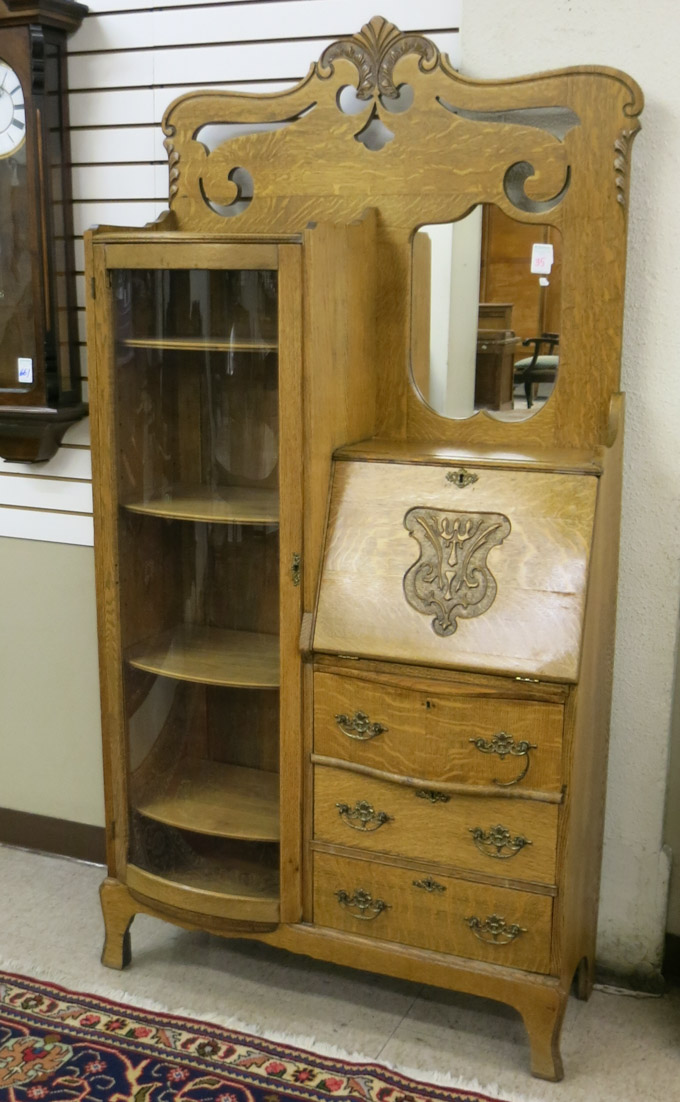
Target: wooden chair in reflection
(538,368)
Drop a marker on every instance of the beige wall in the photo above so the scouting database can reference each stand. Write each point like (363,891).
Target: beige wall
(498,40)
(49,688)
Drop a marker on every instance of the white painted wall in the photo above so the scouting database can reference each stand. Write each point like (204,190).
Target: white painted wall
(499,40)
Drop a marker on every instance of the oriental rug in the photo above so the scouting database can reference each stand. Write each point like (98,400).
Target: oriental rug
(62,1046)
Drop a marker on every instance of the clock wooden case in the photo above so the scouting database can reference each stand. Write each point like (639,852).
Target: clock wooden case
(40,390)
(356,657)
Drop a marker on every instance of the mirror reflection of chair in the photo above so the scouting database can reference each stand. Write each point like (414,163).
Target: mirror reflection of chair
(539,367)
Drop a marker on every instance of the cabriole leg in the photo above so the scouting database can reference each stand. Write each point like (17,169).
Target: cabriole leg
(543,1021)
(119,910)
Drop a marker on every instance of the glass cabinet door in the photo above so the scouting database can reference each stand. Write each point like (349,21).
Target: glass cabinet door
(196,413)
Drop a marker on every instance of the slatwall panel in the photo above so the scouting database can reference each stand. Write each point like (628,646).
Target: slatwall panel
(127,62)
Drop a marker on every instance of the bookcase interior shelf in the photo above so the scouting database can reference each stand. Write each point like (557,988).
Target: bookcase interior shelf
(211,656)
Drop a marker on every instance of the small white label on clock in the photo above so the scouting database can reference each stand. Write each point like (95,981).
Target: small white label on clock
(25,369)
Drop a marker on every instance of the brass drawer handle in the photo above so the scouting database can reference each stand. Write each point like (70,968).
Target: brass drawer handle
(362,815)
(494,930)
(461,477)
(504,744)
(367,908)
(429,885)
(359,726)
(433,796)
(496,840)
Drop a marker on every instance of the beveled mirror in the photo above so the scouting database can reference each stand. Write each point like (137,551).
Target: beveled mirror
(486,314)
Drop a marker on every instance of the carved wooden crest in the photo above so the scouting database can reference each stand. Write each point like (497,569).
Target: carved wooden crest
(374,52)
(383,121)
(451,578)
(427,122)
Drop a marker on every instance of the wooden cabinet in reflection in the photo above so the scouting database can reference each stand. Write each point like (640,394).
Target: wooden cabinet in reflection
(505,273)
(496,346)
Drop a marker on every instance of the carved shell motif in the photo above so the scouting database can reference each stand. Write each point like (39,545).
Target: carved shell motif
(374,52)
(451,578)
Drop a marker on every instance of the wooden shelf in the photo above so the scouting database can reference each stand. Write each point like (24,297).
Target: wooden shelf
(226,801)
(211,656)
(218,505)
(204,344)
(242,890)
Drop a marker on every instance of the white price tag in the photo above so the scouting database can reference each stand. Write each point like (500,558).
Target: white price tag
(25,369)
(541,259)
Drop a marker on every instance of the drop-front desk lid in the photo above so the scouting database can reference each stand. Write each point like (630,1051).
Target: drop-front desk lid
(474,565)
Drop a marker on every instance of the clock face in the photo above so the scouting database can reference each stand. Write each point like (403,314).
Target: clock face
(12,111)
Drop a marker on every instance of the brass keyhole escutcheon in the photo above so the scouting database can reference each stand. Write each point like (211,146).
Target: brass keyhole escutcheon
(460,477)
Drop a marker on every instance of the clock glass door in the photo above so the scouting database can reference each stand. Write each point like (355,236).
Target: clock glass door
(17,307)
(196,392)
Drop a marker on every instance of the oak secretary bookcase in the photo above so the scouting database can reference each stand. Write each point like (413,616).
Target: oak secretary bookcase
(355,654)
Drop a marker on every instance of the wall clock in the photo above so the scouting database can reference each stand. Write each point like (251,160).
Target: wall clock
(12,112)
(40,393)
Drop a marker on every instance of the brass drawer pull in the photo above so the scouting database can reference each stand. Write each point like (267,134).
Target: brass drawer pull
(504,744)
(497,839)
(367,908)
(429,885)
(362,815)
(494,930)
(461,477)
(359,726)
(433,796)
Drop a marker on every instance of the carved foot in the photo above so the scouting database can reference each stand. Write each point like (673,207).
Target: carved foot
(584,979)
(543,1021)
(119,910)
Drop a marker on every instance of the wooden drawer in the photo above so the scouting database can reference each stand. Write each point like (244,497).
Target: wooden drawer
(499,925)
(433,735)
(510,838)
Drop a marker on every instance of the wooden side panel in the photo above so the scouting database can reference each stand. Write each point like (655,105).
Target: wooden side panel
(339,385)
(531,627)
(290,544)
(587,737)
(105,496)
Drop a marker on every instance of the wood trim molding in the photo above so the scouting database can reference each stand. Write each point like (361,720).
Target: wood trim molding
(59,836)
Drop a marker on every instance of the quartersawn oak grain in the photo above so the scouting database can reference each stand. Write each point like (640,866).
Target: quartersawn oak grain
(212,656)
(228,801)
(214,505)
(402,820)
(431,734)
(433,919)
(335,222)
